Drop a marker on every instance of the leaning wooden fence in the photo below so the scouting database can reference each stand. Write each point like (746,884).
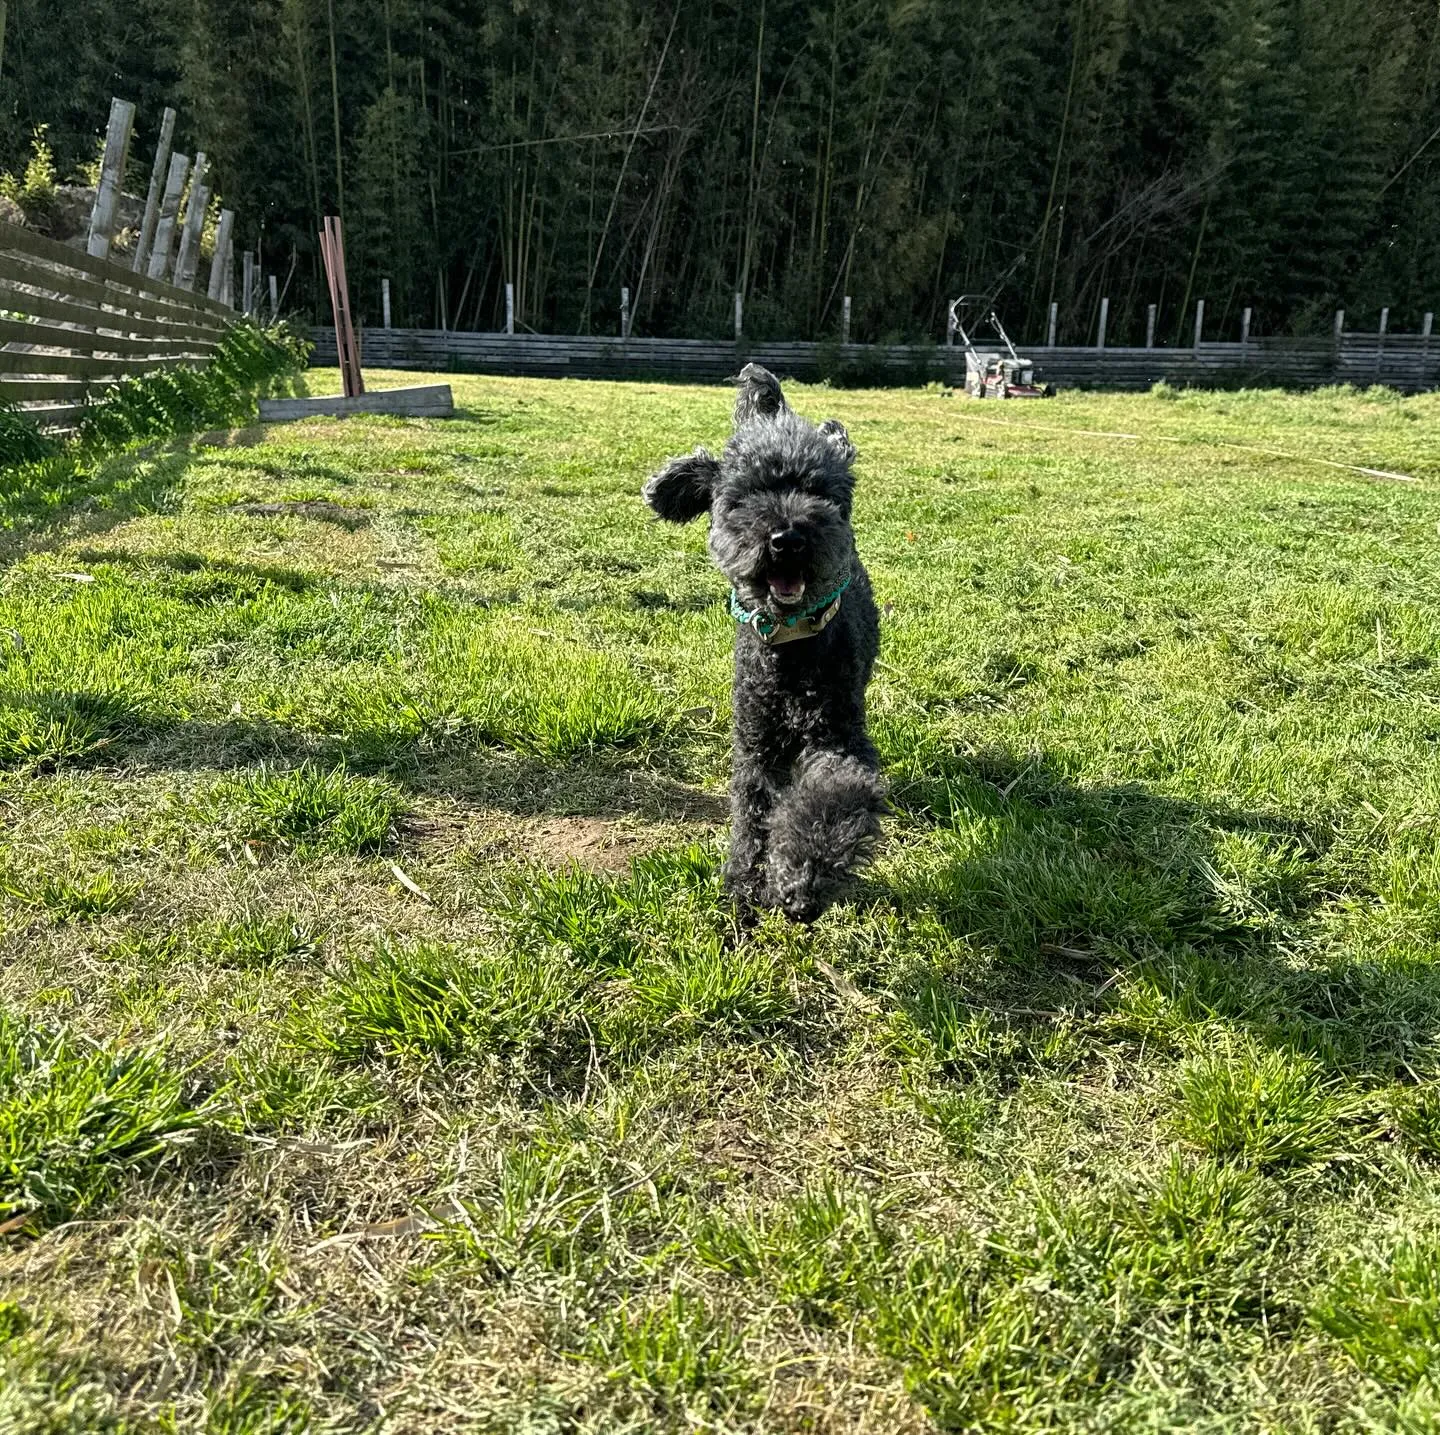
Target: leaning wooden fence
(73,325)
(1409,362)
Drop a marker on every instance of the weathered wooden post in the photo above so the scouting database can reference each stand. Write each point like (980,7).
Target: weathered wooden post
(112,176)
(739,316)
(384,299)
(1199,320)
(845,320)
(216,289)
(152,197)
(624,312)
(1104,320)
(188,260)
(1054,324)
(275,300)
(509,308)
(169,213)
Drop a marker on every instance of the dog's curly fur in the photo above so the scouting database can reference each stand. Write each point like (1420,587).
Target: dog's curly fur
(806,795)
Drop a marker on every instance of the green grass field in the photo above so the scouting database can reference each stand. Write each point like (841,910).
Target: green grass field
(376,1053)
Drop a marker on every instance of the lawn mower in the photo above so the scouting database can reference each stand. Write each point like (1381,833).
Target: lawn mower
(989,374)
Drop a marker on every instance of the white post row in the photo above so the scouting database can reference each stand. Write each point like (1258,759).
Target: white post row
(845,320)
(1104,320)
(112,176)
(384,300)
(152,196)
(1151,311)
(188,259)
(216,289)
(159,264)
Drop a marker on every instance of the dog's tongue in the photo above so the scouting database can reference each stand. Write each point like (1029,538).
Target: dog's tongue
(787,590)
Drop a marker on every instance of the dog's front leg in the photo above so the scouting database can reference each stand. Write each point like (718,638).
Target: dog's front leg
(752,795)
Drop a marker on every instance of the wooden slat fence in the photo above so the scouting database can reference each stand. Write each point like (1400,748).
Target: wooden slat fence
(72,325)
(1409,362)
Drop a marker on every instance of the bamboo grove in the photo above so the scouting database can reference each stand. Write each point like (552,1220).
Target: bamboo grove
(1279,154)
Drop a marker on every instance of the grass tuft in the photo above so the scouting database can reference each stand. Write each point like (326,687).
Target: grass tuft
(307,810)
(1263,1107)
(76,1119)
(432,1000)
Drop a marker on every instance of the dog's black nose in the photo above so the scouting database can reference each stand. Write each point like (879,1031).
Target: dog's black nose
(787,543)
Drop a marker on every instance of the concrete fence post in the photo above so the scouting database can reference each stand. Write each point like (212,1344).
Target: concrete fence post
(220,260)
(384,300)
(1245,328)
(1339,325)
(146,236)
(159,262)
(845,320)
(1199,320)
(1151,313)
(624,313)
(1104,320)
(112,176)
(509,307)
(188,259)
(739,316)
(1054,325)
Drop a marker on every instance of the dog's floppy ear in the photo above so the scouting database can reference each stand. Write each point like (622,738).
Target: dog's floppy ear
(834,433)
(683,488)
(757,395)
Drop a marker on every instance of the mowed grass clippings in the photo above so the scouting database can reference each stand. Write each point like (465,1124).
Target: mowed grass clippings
(376,1051)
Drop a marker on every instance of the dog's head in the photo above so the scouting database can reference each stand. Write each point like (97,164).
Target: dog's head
(778,497)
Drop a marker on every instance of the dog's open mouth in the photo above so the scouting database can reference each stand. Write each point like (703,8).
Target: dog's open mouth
(787,590)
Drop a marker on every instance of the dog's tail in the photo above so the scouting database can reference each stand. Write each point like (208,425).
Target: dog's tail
(823,828)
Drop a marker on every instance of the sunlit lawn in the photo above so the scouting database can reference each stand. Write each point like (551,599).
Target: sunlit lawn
(376,1051)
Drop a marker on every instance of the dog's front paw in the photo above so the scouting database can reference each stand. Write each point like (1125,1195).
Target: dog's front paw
(795,892)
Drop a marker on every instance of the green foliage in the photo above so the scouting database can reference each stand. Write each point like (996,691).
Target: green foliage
(20,441)
(34,188)
(185,400)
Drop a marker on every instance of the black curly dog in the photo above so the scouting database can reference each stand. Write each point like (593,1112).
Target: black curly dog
(806,795)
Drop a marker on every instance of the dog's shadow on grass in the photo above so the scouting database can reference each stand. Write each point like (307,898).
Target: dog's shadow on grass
(1148,912)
